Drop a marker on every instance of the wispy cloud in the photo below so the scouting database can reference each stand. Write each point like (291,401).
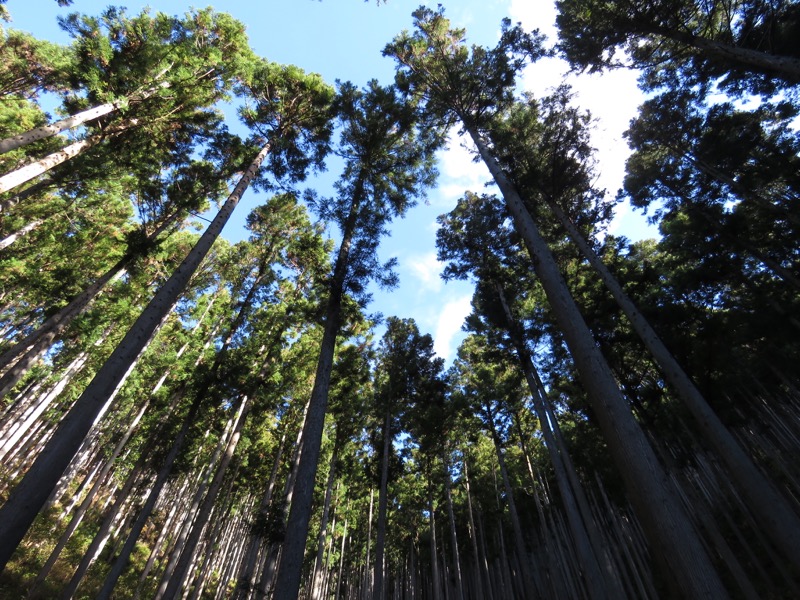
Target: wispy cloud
(425,269)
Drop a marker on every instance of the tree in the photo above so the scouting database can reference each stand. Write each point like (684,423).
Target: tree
(746,43)
(388,165)
(435,65)
(300,115)
(555,171)
(165,72)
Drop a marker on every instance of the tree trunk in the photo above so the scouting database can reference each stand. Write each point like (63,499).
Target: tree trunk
(529,584)
(99,539)
(769,507)
(144,513)
(21,508)
(581,522)
(380,541)
(435,581)
(786,67)
(23,354)
(13,237)
(34,169)
(181,571)
(317,574)
(287,585)
(90,114)
(87,501)
(453,537)
(668,528)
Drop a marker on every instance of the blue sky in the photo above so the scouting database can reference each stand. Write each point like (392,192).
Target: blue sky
(343,39)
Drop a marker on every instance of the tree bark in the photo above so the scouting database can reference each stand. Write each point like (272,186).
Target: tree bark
(377,591)
(16,178)
(90,114)
(287,585)
(181,571)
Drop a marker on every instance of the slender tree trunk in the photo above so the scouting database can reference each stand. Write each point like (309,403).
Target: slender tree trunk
(87,501)
(19,511)
(287,585)
(144,513)
(13,237)
(581,523)
(90,114)
(448,488)
(435,581)
(23,354)
(181,572)
(522,552)
(770,509)
(317,575)
(668,528)
(247,576)
(29,171)
(100,538)
(482,573)
(378,591)
(367,591)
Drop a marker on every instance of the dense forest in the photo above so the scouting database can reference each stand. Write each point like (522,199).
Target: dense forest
(186,417)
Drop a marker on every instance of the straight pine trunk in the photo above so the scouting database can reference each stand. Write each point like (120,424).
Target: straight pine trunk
(317,575)
(380,540)
(453,537)
(287,585)
(181,571)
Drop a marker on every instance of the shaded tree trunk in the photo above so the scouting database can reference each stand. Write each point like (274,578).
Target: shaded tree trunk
(668,528)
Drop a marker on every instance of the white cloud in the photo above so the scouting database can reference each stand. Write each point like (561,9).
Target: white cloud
(448,326)
(459,172)
(425,269)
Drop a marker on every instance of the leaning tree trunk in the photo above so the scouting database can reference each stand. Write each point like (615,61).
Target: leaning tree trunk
(581,522)
(123,556)
(770,509)
(287,585)
(90,114)
(664,520)
(22,232)
(181,571)
(26,500)
(16,178)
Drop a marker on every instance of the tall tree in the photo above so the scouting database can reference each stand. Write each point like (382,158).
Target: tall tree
(388,165)
(294,112)
(555,171)
(471,86)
